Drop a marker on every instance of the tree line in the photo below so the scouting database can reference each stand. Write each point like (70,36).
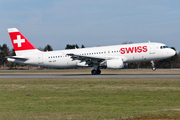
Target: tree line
(173,62)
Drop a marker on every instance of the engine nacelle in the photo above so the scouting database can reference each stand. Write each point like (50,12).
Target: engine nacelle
(115,64)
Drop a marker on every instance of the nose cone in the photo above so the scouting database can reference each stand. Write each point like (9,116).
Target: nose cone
(173,52)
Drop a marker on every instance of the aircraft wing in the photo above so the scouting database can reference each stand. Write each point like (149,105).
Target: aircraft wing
(90,60)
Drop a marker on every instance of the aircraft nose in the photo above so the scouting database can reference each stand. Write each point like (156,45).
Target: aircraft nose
(173,52)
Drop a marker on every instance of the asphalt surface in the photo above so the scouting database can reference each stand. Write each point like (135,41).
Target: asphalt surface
(90,76)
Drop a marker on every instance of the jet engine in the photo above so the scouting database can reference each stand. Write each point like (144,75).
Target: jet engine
(115,64)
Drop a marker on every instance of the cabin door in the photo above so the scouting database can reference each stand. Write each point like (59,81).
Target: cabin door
(151,49)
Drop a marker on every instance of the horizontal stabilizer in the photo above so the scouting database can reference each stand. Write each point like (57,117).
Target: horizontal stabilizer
(18,57)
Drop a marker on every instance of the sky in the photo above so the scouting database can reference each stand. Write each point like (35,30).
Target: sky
(91,22)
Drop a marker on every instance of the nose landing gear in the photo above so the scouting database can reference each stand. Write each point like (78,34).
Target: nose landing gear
(153,67)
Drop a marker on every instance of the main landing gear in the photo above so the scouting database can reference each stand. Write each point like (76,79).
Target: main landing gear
(96,70)
(153,67)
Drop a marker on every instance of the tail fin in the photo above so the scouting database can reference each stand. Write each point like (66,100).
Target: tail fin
(20,43)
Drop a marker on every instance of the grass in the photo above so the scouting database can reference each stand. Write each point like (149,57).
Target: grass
(89,98)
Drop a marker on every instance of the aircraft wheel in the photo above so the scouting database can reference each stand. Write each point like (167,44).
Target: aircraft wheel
(96,72)
(93,72)
(153,68)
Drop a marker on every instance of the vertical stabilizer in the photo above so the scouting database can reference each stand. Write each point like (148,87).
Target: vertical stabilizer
(20,43)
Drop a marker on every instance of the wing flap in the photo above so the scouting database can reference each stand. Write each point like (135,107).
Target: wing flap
(85,57)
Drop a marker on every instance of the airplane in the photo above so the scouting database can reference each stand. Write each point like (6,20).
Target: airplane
(112,57)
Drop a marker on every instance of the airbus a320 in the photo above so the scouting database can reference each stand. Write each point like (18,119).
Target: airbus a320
(112,57)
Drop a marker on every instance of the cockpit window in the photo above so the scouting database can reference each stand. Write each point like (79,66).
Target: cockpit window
(163,47)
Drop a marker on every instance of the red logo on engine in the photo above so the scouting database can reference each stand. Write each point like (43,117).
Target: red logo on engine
(138,49)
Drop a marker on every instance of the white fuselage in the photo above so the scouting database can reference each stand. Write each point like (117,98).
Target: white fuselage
(127,52)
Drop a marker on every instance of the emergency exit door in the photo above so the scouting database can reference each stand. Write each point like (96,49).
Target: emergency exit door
(40,58)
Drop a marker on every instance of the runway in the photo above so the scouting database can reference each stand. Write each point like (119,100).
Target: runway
(28,76)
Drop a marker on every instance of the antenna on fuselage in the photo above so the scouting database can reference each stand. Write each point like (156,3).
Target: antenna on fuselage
(149,41)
